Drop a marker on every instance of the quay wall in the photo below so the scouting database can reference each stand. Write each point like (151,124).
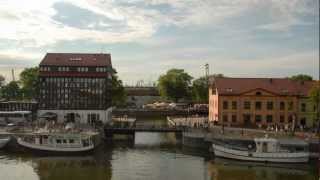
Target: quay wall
(155,113)
(195,140)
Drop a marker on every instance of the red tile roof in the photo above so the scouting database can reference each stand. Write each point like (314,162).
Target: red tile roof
(74,74)
(284,86)
(76,59)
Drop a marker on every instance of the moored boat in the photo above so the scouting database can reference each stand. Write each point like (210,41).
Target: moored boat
(60,143)
(4,141)
(264,150)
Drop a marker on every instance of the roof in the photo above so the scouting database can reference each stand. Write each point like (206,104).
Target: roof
(76,59)
(293,142)
(284,86)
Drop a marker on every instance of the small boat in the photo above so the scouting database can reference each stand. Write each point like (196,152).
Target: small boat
(60,143)
(265,150)
(4,141)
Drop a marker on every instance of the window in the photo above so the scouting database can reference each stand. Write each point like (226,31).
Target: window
(213,91)
(269,118)
(281,118)
(71,141)
(303,107)
(258,118)
(64,141)
(258,93)
(258,105)
(234,104)
(225,105)
(225,118)
(247,105)
(290,106)
(234,118)
(58,141)
(282,105)
(270,105)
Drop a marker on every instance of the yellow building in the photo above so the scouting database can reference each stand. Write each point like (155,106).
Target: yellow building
(259,101)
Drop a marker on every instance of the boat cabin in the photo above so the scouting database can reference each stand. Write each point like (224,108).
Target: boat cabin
(269,145)
(63,140)
(266,145)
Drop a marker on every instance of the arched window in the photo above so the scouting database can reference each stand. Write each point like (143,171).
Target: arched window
(258,93)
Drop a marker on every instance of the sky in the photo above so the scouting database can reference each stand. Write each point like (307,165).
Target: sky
(238,38)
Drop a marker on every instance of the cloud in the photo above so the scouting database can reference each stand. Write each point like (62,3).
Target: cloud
(38,23)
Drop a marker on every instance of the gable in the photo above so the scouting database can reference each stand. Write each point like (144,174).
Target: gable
(259,92)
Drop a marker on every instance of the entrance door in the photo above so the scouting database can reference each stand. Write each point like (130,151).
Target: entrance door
(247,119)
(71,117)
(303,122)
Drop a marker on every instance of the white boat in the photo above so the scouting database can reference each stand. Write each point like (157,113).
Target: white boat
(4,141)
(60,143)
(265,150)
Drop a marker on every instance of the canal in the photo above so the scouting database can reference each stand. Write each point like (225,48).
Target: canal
(152,156)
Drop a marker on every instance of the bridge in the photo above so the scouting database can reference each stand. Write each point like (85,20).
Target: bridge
(110,131)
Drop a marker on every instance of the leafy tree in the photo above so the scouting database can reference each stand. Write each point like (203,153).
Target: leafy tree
(200,90)
(11,91)
(117,92)
(29,80)
(314,95)
(175,84)
(301,77)
(2,80)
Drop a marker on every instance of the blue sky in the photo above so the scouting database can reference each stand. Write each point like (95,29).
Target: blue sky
(241,38)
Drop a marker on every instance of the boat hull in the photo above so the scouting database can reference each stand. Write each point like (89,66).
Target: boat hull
(279,157)
(4,142)
(39,150)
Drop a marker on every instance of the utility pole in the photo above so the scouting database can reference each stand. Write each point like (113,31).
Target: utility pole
(13,78)
(206,70)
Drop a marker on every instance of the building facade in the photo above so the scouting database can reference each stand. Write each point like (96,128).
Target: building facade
(139,96)
(260,101)
(75,87)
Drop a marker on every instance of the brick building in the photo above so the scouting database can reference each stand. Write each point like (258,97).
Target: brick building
(264,101)
(76,87)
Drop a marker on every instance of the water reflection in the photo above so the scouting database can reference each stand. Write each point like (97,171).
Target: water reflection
(78,168)
(152,156)
(222,169)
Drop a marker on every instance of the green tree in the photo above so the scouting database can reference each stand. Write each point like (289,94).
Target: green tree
(314,96)
(117,92)
(200,90)
(301,77)
(29,79)
(11,91)
(175,84)
(2,80)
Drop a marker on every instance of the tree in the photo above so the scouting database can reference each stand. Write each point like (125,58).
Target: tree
(301,77)
(11,91)
(29,79)
(2,80)
(200,90)
(175,84)
(117,92)
(314,96)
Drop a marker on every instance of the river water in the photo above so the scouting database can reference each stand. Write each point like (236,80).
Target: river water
(152,156)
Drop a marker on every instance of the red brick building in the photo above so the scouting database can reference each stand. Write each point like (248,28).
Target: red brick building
(76,87)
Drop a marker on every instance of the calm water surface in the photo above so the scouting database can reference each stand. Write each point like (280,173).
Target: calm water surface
(153,156)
